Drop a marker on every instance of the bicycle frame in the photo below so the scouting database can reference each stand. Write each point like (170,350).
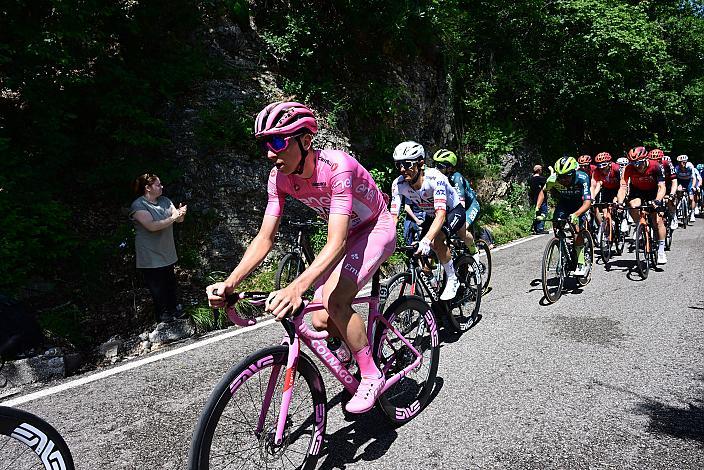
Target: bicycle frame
(297,331)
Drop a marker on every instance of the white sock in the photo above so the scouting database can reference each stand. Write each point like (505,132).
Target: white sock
(661,246)
(449,269)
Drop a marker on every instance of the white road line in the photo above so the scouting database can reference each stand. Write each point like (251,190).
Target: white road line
(132,365)
(140,362)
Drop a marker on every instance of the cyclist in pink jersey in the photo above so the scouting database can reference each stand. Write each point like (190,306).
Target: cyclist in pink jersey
(361,233)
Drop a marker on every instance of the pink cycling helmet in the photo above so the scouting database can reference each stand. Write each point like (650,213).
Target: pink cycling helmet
(284,118)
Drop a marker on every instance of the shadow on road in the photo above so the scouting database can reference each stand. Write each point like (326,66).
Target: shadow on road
(683,422)
(369,430)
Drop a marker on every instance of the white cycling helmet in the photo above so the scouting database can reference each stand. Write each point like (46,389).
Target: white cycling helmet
(409,150)
(682,158)
(623,161)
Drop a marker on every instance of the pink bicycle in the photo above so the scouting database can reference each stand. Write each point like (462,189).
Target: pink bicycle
(270,410)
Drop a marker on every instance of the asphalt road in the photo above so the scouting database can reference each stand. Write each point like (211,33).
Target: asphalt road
(610,376)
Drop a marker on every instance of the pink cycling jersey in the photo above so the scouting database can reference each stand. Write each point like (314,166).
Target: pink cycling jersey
(339,185)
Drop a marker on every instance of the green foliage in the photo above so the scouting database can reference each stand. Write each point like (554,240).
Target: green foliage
(510,218)
(65,323)
(206,320)
(226,126)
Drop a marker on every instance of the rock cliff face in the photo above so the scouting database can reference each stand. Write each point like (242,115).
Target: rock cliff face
(227,184)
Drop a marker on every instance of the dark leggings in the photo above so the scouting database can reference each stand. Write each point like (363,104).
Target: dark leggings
(162,284)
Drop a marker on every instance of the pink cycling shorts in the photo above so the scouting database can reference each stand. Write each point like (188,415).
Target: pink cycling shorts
(367,249)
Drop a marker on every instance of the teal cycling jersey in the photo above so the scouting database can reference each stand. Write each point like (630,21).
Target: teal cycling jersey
(579,190)
(465,191)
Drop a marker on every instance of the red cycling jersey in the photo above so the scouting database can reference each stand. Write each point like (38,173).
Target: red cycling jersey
(609,180)
(648,180)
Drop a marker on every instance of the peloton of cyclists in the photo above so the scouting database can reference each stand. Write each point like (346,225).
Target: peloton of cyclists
(361,233)
(644,181)
(430,190)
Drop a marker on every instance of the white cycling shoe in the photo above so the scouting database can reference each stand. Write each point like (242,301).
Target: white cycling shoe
(581,270)
(450,289)
(674,225)
(662,258)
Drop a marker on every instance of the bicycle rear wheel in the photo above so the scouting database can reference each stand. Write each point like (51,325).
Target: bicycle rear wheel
(29,442)
(642,256)
(463,310)
(484,263)
(226,435)
(290,267)
(553,273)
(416,322)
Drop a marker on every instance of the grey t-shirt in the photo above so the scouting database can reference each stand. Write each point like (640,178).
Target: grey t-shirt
(154,249)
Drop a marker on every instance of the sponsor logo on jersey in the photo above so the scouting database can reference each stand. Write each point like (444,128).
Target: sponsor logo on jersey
(314,201)
(320,184)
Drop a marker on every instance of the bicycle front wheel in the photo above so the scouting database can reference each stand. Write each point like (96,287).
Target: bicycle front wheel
(237,427)
(588,258)
(398,286)
(414,319)
(642,248)
(553,271)
(290,267)
(464,309)
(27,441)
(484,264)
(605,241)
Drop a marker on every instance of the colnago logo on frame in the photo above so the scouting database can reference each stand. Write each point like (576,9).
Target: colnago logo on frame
(42,445)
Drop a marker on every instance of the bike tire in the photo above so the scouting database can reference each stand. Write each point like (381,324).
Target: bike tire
(685,211)
(668,236)
(413,317)
(397,286)
(605,242)
(244,384)
(642,261)
(485,263)
(588,259)
(553,271)
(463,310)
(29,440)
(291,265)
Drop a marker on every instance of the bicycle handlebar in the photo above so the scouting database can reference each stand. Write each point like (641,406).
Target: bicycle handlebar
(259,298)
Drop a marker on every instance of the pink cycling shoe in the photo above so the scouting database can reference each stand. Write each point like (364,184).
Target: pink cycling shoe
(366,395)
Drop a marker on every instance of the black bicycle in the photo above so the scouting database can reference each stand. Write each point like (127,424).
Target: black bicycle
(560,259)
(419,279)
(294,262)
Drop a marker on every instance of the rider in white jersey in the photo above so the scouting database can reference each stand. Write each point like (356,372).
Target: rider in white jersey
(432,192)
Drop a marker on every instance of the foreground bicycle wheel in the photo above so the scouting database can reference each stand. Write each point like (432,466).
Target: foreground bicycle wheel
(464,309)
(484,264)
(416,322)
(29,442)
(553,274)
(226,435)
(642,255)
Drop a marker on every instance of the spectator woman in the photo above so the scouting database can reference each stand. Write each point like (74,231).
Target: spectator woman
(153,216)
